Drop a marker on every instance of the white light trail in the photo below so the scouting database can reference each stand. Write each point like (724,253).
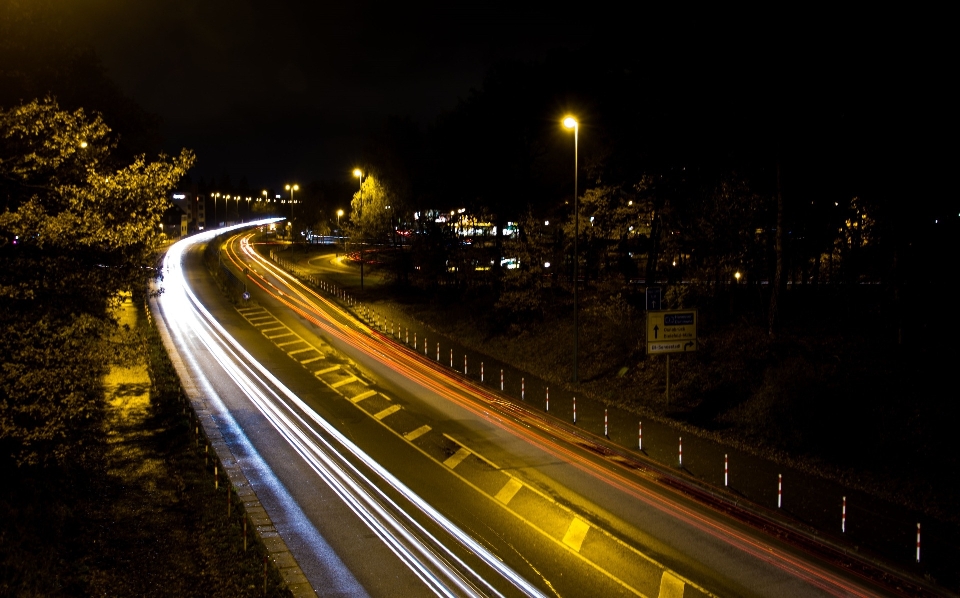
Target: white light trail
(326,451)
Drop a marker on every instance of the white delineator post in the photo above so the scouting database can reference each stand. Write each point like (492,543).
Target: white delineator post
(501,380)
(464,364)
(606,423)
(843,516)
(481,371)
(574,409)
(918,542)
(681,451)
(523,390)
(451,358)
(438,351)
(779,490)
(548,398)
(726,470)
(640,436)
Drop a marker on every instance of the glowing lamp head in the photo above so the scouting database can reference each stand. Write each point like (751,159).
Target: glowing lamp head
(737,275)
(357,173)
(339,212)
(570,122)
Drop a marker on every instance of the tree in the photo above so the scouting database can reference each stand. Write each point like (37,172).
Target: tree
(76,230)
(374,209)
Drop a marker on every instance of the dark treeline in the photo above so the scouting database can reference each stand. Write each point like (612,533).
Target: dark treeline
(811,165)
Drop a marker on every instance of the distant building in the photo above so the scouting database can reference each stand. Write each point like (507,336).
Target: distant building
(193,208)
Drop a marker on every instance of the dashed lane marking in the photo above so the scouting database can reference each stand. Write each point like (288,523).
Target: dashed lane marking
(292,353)
(576,533)
(413,435)
(311,360)
(363,395)
(332,368)
(266,330)
(671,586)
(288,343)
(340,383)
(276,336)
(509,490)
(388,411)
(455,459)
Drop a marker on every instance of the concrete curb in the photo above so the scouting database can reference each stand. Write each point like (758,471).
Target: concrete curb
(206,412)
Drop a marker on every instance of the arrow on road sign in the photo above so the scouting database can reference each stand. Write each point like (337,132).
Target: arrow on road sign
(656,331)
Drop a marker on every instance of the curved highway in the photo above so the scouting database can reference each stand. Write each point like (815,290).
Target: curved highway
(391,475)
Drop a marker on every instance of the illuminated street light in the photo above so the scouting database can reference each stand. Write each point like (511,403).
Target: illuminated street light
(215,196)
(291,189)
(359,174)
(340,230)
(571,123)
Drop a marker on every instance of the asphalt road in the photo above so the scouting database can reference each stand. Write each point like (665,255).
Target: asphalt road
(388,475)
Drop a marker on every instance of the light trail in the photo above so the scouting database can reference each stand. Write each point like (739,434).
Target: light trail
(326,452)
(520,422)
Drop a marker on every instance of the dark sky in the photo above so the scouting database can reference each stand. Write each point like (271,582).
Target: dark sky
(290,90)
(283,91)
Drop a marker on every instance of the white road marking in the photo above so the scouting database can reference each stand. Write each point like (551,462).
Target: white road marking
(671,586)
(363,395)
(455,459)
(509,490)
(576,533)
(411,436)
(389,410)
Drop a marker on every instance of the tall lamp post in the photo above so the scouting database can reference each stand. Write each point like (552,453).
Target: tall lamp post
(339,230)
(359,174)
(571,123)
(291,189)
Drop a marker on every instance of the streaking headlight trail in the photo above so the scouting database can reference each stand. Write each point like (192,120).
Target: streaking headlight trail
(354,476)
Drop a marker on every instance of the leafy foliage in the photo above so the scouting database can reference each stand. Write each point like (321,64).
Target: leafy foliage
(76,229)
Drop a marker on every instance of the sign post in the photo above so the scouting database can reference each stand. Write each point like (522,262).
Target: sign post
(669,332)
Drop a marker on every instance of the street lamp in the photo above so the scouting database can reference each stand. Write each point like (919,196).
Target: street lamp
(571,123)
(248,206)
(291,189)
(339,230)
(215,222)
(359,174)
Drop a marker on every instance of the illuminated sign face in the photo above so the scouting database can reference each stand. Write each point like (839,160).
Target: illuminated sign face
(179,196)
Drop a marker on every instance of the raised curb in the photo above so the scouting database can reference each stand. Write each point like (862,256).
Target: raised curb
(277,550)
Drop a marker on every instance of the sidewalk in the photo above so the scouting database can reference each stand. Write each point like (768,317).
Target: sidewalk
(764,493)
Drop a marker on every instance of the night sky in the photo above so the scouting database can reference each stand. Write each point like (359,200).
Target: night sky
(286,90)
(292,90)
